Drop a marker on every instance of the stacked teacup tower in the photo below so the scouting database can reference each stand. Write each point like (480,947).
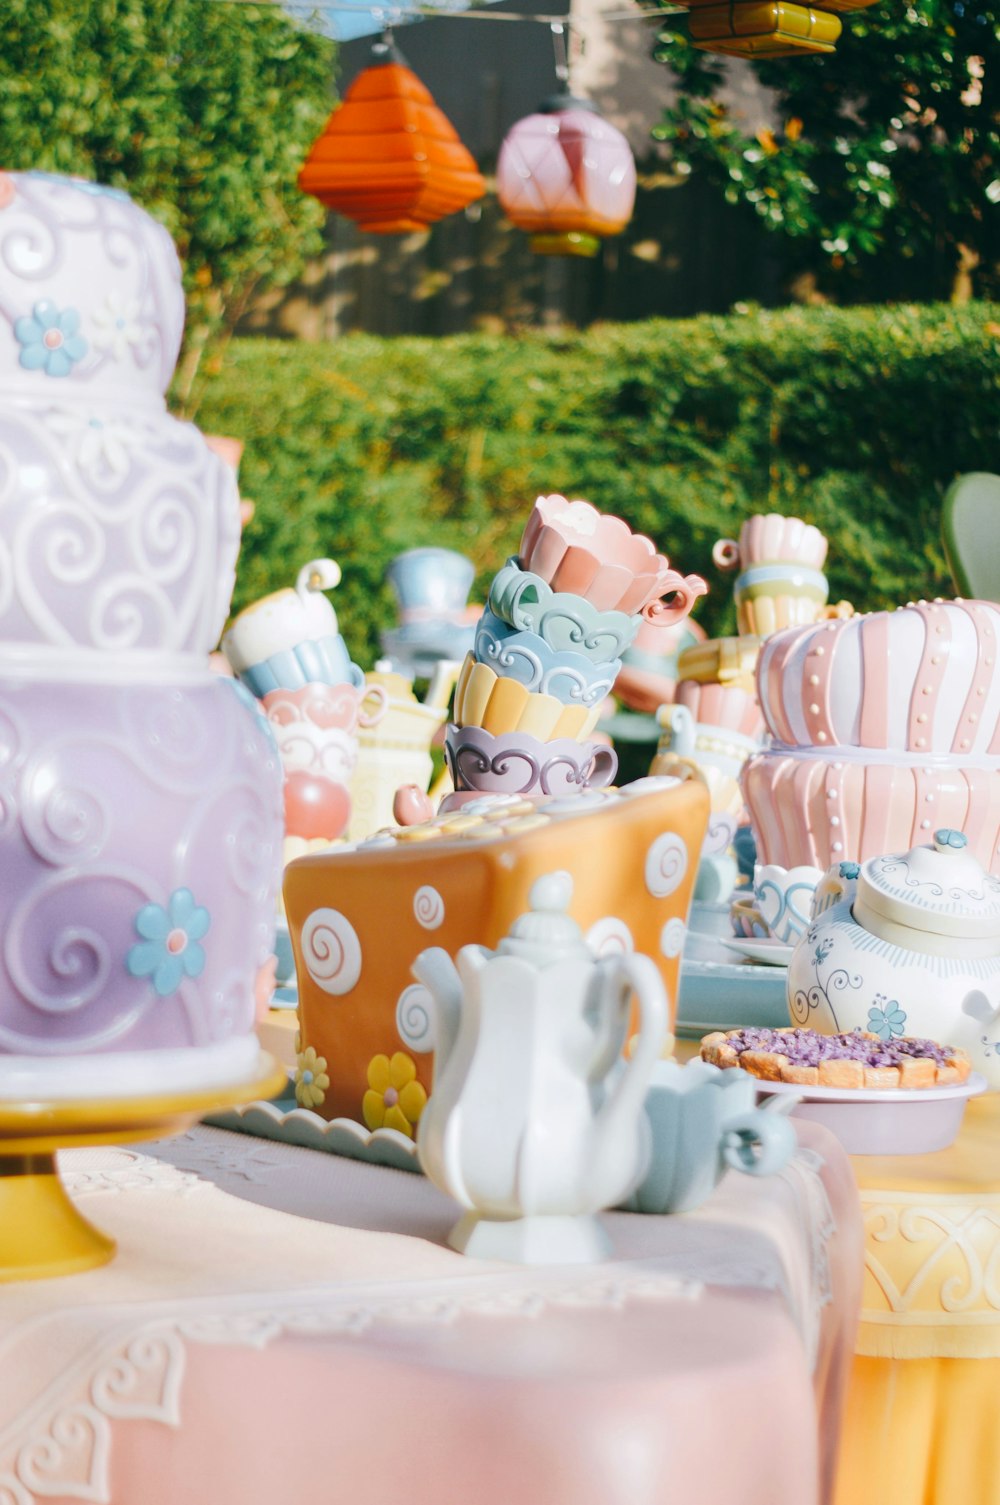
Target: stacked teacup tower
(715,718)
(140,820)
(286,648)
(548,648)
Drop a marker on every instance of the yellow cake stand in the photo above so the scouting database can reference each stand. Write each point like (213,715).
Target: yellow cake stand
(41,1232)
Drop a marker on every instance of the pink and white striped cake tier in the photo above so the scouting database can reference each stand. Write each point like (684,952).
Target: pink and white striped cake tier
(813,808)
(923,679)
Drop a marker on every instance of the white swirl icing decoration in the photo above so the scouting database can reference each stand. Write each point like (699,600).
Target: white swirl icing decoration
(672,937)
(610,937)
(331,951)
(428,907)
(415,1018)
(666,864)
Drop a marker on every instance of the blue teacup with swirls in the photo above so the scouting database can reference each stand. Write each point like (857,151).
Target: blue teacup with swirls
(702,1122)
(571,677)
(565,622)
(320,661)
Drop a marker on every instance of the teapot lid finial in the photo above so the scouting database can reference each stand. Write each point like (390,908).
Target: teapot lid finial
(947,840)
(547,931)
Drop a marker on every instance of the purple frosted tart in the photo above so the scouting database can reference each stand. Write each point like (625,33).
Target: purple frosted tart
(811,1059)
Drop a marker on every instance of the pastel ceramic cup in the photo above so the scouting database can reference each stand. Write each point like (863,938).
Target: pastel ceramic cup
(321,661)
(783,897)
(702,1122)
(327,707)
(430,584)
(575,548)
(781,581)
(279,622)
(567,623)
(483,698)
(519,764)
(524,656)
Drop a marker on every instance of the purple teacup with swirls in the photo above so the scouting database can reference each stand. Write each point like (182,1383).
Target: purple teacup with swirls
(514,763)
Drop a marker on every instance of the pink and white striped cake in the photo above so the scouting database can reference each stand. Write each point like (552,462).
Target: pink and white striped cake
(885,727)
(922,679)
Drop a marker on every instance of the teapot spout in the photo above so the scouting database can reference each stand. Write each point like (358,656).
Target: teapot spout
(439,975)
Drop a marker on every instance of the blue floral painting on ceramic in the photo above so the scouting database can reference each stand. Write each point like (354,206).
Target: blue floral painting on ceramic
(169,950)
(886,1018)
(49,340)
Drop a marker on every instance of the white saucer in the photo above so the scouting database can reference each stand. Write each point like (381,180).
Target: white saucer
(757,949)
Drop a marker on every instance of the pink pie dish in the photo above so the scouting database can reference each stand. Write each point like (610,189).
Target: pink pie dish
(883,1122)
(577,549)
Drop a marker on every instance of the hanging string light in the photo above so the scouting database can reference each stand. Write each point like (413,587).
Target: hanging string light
(388,158)
(564,174)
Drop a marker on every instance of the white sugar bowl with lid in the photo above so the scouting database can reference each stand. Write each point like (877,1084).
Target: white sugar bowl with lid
(906,944)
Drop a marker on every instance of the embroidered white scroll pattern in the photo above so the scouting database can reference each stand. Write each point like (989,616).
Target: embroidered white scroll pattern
(218,1156)
(125,1170)
(959,1273)
(68,1454)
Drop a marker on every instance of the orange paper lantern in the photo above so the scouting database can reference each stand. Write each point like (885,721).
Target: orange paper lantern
(388,158)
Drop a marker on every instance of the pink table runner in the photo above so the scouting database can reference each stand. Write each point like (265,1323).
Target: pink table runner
(285,1325)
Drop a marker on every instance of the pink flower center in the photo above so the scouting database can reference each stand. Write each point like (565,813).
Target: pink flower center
(390,1097)
(52,339)
(176,941)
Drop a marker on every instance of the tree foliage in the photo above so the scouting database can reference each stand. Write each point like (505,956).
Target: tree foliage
(887,148)
(854,419)
(202,111)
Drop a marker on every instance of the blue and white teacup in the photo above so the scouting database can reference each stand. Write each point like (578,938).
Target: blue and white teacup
(567,623)
(572,678)
(703,1121)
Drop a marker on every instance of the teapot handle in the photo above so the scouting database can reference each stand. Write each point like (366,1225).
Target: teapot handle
(643,979)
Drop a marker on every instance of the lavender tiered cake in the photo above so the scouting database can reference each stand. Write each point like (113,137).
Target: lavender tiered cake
(140,797)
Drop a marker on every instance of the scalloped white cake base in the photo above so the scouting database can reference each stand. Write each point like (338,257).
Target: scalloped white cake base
(338,1136)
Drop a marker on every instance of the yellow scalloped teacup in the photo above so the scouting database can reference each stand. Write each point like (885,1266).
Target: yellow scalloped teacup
(484,698)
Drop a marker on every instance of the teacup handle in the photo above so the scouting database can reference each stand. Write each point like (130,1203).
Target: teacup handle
(603,767)
(758,1143)
(685,590)
(726,554)
(510,587)
(374,705)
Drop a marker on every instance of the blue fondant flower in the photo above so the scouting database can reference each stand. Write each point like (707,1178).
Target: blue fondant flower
(850,869)
(169,950)
(886,1018)
(949,838)
(49,340)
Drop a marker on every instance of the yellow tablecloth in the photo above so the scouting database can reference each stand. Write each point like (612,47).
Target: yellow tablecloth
(921,1424)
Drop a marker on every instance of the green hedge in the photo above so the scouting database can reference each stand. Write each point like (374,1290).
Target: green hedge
(856,420)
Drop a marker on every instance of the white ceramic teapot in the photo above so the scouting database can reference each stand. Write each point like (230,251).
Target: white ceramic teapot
(535,1122)
(906,944)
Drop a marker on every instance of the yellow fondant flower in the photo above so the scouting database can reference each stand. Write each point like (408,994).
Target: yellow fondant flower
(311,1080)
(395,1099)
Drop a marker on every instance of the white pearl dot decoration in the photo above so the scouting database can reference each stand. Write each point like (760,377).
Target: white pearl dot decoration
(666,864)
(610,937)
(331,951)
(428,907)
(415,1017)
(672,937)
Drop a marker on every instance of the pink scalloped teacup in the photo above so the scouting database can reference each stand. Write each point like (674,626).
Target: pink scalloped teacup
(514,763)
(327,707)
(575,548)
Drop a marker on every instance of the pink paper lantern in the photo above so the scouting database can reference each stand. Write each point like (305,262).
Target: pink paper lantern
(566,176)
